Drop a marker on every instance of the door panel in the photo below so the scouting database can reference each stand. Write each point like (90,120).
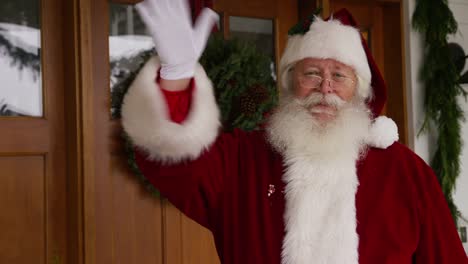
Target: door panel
(196,243)
(24,135)
(137,218)
(22,199)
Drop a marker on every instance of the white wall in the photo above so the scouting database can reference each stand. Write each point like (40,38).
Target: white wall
(460,11)
(415,94)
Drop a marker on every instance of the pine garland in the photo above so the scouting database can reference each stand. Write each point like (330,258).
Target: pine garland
(435,21)
(244,88)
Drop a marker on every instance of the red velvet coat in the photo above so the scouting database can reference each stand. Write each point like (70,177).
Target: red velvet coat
(233,186)
(401,212)
(235,189)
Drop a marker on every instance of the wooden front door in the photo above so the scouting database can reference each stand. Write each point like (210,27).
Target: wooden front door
(66,192)
(33,149)
(123,222)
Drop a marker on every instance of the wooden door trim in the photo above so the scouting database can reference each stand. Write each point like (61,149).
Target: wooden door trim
(79,109)
(36,142)
(53,115)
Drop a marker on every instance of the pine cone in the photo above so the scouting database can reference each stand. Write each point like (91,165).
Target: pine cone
(248,106)
(259,94)
(232,82)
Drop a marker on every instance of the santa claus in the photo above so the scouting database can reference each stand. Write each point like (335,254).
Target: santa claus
(324,183)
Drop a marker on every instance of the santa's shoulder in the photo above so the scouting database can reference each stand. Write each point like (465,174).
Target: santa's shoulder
(397,160)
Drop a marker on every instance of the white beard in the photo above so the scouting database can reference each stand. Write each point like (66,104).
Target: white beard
(292,128)
(321,181)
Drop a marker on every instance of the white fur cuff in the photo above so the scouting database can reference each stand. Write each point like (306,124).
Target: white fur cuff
(383,133)
(146,119)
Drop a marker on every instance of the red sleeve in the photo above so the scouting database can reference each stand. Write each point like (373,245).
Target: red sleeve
(178,102)
(197,187)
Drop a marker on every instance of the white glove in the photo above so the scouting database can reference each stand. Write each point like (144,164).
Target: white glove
(178,43)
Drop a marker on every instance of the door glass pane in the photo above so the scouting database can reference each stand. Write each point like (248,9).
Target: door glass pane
(129,47)
(258,31)
(20,58)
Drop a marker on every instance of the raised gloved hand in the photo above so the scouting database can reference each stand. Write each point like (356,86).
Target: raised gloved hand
(178,43)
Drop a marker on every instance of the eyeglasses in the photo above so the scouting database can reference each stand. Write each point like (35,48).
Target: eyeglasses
(336,81)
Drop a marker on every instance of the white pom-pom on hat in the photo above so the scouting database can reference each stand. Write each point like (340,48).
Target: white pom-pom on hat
(383,133)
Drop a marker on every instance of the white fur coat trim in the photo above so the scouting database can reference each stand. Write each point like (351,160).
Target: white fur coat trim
(146,120)
(320,211)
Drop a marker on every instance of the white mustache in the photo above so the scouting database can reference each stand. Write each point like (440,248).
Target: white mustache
(314,99)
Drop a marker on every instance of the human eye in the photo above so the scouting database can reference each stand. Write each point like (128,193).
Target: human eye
(312,73)
(339,76)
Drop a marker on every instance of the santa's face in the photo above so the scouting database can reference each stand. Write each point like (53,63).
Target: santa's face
(327,83)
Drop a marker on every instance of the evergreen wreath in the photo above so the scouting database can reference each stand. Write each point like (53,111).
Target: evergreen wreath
(243,84)
(443,114)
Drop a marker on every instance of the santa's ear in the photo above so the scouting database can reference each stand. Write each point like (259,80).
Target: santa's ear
(383,133)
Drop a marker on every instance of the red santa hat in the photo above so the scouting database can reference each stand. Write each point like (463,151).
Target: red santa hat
(336,38)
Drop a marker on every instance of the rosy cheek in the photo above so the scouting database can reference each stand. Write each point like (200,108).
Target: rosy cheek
(347,95)
(301,91)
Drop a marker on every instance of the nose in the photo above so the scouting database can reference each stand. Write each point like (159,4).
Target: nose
(326,86)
